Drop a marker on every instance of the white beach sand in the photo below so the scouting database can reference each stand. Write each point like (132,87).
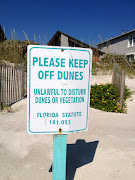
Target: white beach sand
(29,157)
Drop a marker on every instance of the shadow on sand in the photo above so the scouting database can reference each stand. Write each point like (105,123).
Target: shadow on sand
(78,154)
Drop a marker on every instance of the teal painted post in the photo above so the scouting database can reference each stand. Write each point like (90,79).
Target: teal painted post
(59,156)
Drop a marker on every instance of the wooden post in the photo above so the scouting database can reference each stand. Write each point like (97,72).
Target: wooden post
(22,82)
(0,86)
(2,82)
(17,84)
(14,85)
(7,84)
(119,75)
(12,94)
(59,156)
(9,81)
(114,74)
(122,88)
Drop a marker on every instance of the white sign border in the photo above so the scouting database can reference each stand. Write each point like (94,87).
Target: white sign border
(29,85)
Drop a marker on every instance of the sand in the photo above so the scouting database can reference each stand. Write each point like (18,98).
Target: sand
(106,151)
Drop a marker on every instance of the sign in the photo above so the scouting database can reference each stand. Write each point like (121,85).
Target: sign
(58,89)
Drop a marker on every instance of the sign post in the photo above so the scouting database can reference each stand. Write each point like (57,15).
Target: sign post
(58,95)
(59,156)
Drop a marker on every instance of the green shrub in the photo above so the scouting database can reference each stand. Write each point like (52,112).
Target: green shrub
(105,97)
(128,93)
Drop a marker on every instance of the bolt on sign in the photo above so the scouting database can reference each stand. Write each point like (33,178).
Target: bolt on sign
(58,89)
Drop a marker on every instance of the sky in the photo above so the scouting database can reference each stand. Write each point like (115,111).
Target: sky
(86,20)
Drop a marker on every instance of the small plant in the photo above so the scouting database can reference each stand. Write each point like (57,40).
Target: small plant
(105,97)
(6,107)
(128,93)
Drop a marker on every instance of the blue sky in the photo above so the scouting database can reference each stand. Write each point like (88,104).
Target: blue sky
(82,19)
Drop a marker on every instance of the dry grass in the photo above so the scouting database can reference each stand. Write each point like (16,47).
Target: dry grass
(15,51)
(106,65)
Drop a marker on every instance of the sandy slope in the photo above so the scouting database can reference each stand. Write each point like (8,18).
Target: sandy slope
(106,151)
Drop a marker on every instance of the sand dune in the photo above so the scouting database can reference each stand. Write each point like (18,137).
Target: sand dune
(110,140)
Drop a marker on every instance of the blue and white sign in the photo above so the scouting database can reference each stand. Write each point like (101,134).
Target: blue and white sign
(58,89)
